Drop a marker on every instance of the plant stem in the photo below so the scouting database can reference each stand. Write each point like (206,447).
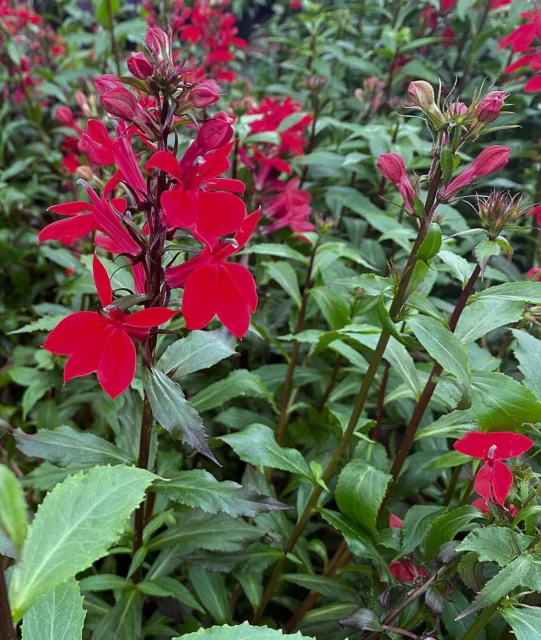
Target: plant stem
(481,622)
(376,433)
(396,307)
(427,392)
(7,630)
(288,384)
(452,485)
(332,381)
(114,47)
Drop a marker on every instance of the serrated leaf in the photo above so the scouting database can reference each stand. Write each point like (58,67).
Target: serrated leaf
(460,268)
(257,445)
(523,291)
(211,591)
(59,615)
(495,544)
(241,632)
(13,518)
(123,621)
(483,316)
(175,414)
(199,350)
(471,572)
(446,527)
(43,324)
(74,526)
(528,354)
(417,523)
(360,492)
(238,383)
(64,445)
(198,488)
(485,250)
(525,621)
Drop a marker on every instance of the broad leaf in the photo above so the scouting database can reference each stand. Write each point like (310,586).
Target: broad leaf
(334,308)
(495,544)
(278,250)
(360,492)
(13,518)
(241,632)
(59,545)
(285,276)
(446,527)
(238,383)
(523,291)
(417,523)
(257,445)
(199,350)
(59,615)
(211,591)
(64,445)
(525,621)
(175,414)
(483,316)
(198,488)
(528,354)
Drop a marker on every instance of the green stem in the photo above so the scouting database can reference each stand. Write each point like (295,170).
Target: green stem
(481,622)
(452,485)
(7,630)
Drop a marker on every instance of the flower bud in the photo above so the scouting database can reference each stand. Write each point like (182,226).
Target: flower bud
(488,161)
(84,172)
(106,82)
(205,93)
(392,168)
(139,66)
(457,110)
(64,116)
(159,44)
(82,101)
(215,133)
(421,95)
(122,104)
(498,211)
(490,107)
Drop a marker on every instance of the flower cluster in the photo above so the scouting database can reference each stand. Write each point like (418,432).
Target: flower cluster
(522,40)
(170,194)
(494,479)
(284,203)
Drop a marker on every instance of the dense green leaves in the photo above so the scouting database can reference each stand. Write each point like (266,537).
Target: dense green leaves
(240,383)
(446,526)
(75,525)
(13,518)
(240,632)
(495,544)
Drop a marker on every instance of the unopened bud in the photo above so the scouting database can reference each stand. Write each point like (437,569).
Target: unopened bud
(215,133)
(84,172)
(421,95)
(205,93)
(106,83)
(490,107)
(64,116)
(139,66)
(457,110)
(159,44)
(498,211)
(122,104)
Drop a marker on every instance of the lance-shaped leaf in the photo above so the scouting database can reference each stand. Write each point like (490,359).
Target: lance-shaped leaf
(495,544)
(175,414)
(198,488)
(238,383)
(74,526)
(483,316)
(13,519)
(59,615)
(64,445)
(241,632)
(446,527)
(528,353)
(525,621)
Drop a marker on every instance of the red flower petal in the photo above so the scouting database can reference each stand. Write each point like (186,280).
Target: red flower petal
(481,504)
(116,368)
(494,481)
(70,208)
(228,184)
(199,302)
(518,64)
(533,85)
(75,333)
(179,208)
(102,282)
(244,281)
(231,305)
(69,229)
(507,444)
(241,237)
(164,161)
(150,317)
(82,364)
(395,522)
(220,213)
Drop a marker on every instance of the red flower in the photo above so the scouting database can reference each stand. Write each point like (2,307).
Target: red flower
(482,505)
(494,479)
(406,571)
(288,206)
(522,37)
(488,161)
(395,522)
(535,272)
(102,343)
(392,168)
(295,4)
(213,287)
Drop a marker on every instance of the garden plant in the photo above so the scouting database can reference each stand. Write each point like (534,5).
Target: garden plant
(270,347)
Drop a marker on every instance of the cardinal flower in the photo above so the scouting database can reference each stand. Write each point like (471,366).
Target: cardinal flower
(494,479)
(392,168)
(395,522)
(102,342)
(488,161)
(406,571)
(213,287)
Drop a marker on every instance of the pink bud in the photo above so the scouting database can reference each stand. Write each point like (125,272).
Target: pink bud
(395,522)
(64,116)
(215,133)
(122,104)
(488,161)
(159,44)
(139,66)
(421,95)
(457,110)
(490,107)
(107,82)
(205,93)
(392,167)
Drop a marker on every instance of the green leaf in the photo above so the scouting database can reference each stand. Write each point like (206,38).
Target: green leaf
(43,324)
(360,492)
(285,276)
(257,445)
(103,582)
(175,414)
(329,587)
(211,591)
(528,354)
(485,250)
(64,445)
(59,545)
(198,530)
(523,291)
(198,488)
(500,403)
(446,527)
(238,383)
(278,250)
(59,615)
(199,350)
(105,10)
(460,268)
(443,346)
(416,525)
(483,316)
(334,308)
(495,544)
(175,589)
(371,284)
(330,252)
(241,632)
(123,621)
(13,518)
(397,355)
(525,621)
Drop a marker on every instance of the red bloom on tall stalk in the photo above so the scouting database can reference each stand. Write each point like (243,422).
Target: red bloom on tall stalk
(521,40)
(392,168)
(102,342)
(494,479)
(488,161)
